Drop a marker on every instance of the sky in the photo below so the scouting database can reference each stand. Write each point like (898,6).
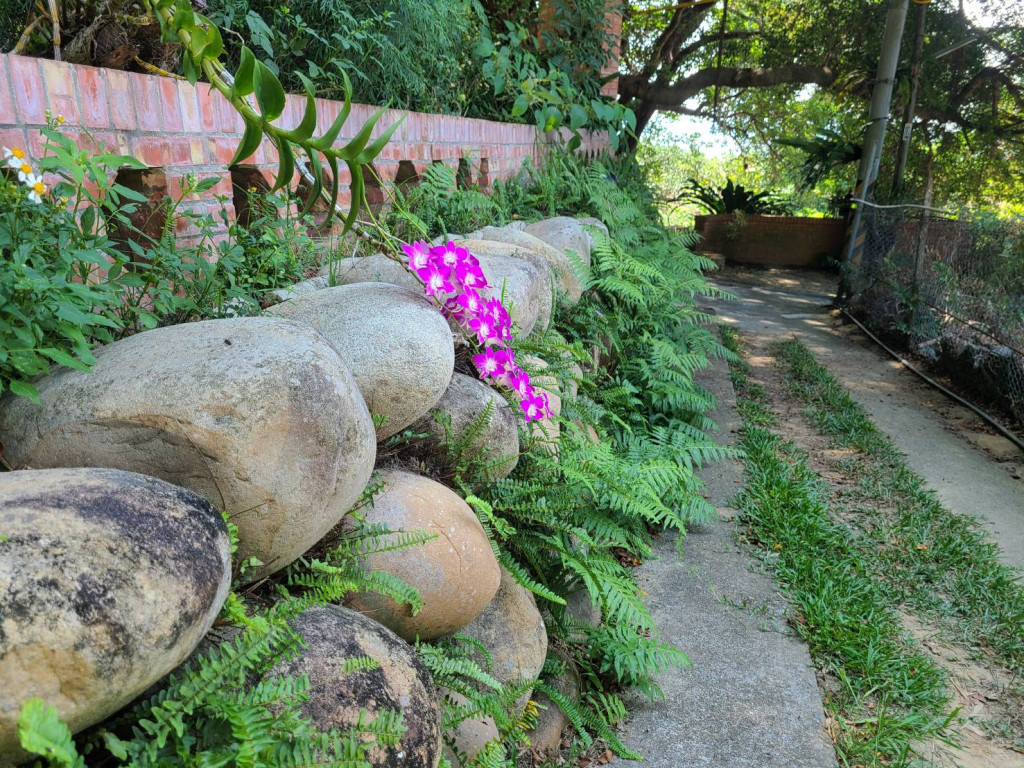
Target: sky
(681,128)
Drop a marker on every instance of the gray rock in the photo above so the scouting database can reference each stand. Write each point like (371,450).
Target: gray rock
(548,430)
(108,579)
(396,343)
(470,736)
(464,401)
(302,287)
(590,221)
(375,268)
(334,635)
(456,574)
(513,631)
(525,276)
(258,415)
(565,276)
(564,233)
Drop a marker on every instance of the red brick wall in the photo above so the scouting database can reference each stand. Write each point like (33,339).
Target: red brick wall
(777,241)
(192,129)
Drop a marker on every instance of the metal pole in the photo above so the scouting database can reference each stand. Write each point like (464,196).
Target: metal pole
(878,118)
(908,112)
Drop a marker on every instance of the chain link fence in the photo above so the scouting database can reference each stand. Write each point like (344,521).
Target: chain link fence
(949,290)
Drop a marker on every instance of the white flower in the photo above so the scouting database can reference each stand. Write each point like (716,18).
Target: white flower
(24,171)
(36,188)
(14,157)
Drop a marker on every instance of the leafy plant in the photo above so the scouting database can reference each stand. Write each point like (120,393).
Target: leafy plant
(733,198)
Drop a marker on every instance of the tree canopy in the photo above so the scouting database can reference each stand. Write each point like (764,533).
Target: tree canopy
(765,70)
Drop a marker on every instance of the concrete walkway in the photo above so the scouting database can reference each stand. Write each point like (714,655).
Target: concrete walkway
(750,700)
(917,418)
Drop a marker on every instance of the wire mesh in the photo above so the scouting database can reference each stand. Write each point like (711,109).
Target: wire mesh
(950,288)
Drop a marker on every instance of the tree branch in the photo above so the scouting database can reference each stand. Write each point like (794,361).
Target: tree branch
(674,95)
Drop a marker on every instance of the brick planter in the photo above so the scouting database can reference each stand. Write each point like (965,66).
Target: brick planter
(775,241)
(183,129)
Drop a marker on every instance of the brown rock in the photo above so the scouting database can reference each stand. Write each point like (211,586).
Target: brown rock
(333,635)
(513,631)
(108,580)
(456,574)
(546,735)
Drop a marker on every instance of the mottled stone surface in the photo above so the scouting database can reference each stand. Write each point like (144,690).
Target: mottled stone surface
(334,635)
(258,415)
(375,268)
(456,574)
(513,631)
(396,343)
(464,401)
(552,722)
(561,268)
(108,580)
(564,233)
(495,258)
(470,736)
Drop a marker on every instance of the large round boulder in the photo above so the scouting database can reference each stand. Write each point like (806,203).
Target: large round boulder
(512,630)
(557,261)
(108,580)
(546,735)
(488,251)
(258,415)
(335,635)
(396,343)
(564,233)
(464,403)
(375,268)
(456,573)
(547,430)
(470,736)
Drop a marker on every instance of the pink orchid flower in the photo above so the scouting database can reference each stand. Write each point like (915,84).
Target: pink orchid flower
(419,255)
(490,362)
(435,279)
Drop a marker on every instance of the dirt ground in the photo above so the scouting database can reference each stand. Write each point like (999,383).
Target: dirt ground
(973,469)
(935,433)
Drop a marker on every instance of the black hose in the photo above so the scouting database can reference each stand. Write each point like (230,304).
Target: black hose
(1003,430)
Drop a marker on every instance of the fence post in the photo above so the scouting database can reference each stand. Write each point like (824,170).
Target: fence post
(878,119)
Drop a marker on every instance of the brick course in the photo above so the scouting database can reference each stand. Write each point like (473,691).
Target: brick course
(192,129)
(777,241)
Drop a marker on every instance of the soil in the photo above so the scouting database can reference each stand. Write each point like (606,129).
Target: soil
(990,722)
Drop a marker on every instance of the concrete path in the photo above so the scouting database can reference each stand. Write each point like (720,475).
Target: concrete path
(750,700)
(917,418)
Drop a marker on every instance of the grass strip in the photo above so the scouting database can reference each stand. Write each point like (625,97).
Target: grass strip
(884,693)
(939,562)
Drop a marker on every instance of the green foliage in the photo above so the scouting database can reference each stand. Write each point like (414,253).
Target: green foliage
(409,55)
(203,47)
(436,206)
(733,198)
(67,284)
(51,305)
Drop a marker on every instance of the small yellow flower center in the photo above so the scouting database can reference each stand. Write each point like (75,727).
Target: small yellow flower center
(39,188)
(60,119)
(18,152)
(25,168)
